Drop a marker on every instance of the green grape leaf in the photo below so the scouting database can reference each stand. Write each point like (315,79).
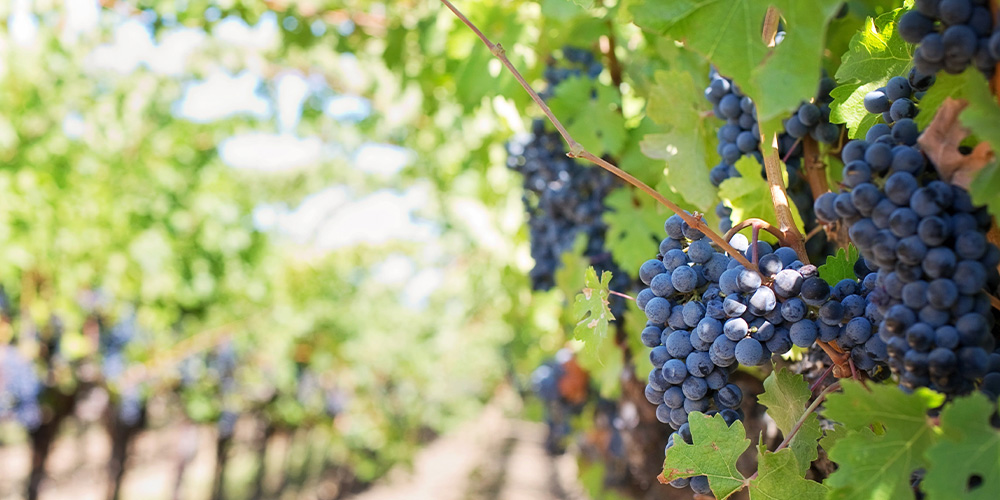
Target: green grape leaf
(634,161)
(954,86)
(879,467)
(985,188)
(728,33)
(749,195)
(714,453)
(982,114)
(678,104)
(876,54)
(831,437)
(635,227)
(840,266)
(779,476)
(786,396)
(572,270)
(595,121)
(591,307)
(604,361)
(969,446)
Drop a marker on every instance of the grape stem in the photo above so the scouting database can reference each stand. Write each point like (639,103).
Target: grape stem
(623,295)
(576,150)
(994,301)
(772,162)
(814,167)
(614,66)
(755,222)
(821,378)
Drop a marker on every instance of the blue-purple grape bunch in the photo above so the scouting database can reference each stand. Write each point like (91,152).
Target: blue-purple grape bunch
(707,314)
(740,136)
(926,241)
(951,35)
(20,388)
(558,409)
(563,197)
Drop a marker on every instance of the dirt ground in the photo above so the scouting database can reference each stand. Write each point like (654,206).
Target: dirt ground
(489,458)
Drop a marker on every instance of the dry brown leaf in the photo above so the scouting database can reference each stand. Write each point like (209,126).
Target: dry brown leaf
(940,142)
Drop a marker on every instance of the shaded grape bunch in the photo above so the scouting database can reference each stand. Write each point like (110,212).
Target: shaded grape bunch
(549,383)
(740,136)
(563,198)
(813,118)
(926,240)
(951,35)
(20,388)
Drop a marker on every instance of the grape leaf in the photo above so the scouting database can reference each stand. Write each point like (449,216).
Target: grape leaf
(969,446)
(601,356)
(876,54)
(634,161)
(982,114)
(678,104)
(778,477)
(591,306)
(840,266)
(749,195)
(714,453)
(945,85)
(635,226)
(786,396)
(985,188)
(591,114)
(879,467)
(728,33)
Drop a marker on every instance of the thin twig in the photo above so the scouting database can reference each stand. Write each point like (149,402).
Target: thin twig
(754,238)
(821,378)
(994,301)
(802,420)
(614,66)
(623,295)
(799,423)
(576,150)
(816,230)
(763,224)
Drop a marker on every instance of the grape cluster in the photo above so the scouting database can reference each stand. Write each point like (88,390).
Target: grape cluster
(926,240)
(563,198)
(547,382)
(897,102)
(951,35)
(707,314)
(20,388)
(740,136)
(813,118)
(576,63)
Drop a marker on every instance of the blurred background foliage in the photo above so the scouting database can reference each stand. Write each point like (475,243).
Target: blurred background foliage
(291,214)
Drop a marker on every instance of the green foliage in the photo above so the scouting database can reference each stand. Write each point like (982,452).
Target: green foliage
(728,34)
(879,467)
(676,102)
(601,356)
(749,195)
(634,225)
(591,306)
(596,123)
(877,53)
(841,266)
(786,396)
(714,452)
(968,446)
